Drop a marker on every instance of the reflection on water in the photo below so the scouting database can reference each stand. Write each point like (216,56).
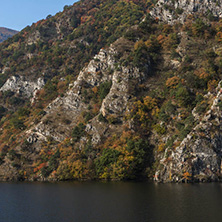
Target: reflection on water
(119,201)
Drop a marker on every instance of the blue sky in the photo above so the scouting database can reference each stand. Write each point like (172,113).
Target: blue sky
(17,14)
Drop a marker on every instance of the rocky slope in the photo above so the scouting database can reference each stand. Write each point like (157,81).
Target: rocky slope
(100,70)
(179,11)
(198,157)
(114,90)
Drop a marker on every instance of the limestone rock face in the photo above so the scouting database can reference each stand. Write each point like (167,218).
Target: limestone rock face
(173,11)
(23,87)
(198,157)
(101,69)
(34,38)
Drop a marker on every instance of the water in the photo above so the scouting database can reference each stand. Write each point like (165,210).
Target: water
(104,202)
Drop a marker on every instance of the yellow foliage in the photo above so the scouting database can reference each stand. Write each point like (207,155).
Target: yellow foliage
(118,171)
(161,147)
(14,45)
(149,102)
(78,170)
(105,174)
(148,43)
(138,44)
(145,110)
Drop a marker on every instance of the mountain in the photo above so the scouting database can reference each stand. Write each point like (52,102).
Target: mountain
(114,90)
(6,33)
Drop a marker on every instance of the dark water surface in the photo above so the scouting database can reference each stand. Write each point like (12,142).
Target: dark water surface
(104,202)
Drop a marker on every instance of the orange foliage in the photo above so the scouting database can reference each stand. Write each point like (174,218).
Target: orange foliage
(219,36)
(85,19)
(96,108)
(61,84)
(161,39)
(95,89)
(201,73)
(41,93)
(187,175)
(100,38)
(39,22)
(172,82)
(39,167)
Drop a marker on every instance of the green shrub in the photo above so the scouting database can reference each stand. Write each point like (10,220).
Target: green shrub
(23,112)
(104,89)
(220,105)
(16,101)
(54,162)
(107,157)
(87,116)
(201,107)
(17,123)
(12,154)
(45,171)
(7,94)
(159,129)
(2,111)
(3,78)
(183,96)
(78,132)
(199,27)
(179,10)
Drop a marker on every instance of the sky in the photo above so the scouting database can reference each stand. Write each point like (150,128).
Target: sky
(17,14)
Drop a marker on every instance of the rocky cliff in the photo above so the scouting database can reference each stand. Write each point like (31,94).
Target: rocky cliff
(198,157)
(100,70)
(179,11)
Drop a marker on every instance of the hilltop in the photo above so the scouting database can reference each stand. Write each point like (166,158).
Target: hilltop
(6,33)
(114,90)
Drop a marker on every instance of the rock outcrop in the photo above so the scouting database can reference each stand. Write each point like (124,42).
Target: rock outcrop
(177,11)
(103,68)
(23,87)
(198,157)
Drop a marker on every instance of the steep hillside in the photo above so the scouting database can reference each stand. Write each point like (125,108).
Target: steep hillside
(114,90)
(6,33)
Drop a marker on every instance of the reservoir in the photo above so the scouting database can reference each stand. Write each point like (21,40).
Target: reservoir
(110,201)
